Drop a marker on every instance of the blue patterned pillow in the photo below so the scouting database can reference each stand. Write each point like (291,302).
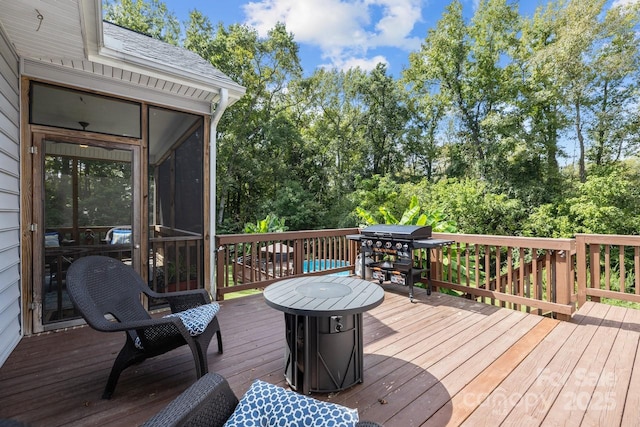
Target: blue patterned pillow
(51,239)
(266,405)
(121,236)
(194,319)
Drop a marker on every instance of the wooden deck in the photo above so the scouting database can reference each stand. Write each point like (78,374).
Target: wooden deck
(440,361)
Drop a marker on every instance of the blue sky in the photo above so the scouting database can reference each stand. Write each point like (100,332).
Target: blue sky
(341,33)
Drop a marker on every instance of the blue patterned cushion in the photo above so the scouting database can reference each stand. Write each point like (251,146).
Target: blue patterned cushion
(51,239)
(194,319)
(121,236)
(265,405)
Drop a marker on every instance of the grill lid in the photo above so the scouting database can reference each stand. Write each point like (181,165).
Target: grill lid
(394,231)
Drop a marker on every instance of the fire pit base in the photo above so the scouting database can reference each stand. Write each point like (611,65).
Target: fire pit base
(323,354)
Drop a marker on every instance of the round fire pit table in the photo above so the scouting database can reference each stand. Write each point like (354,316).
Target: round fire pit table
(323,329)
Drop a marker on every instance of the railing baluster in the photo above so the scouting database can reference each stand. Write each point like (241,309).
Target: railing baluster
(636,271)
(487,267)
(467,265)
(622,269)
(498,276)
(595,268)
(607,268)
(535,284)
(550,290)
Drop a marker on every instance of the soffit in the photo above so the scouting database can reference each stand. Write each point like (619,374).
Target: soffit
(44,28)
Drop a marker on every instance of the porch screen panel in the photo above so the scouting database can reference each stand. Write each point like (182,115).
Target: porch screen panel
(177,181)
(189,189)
(88,204)
(164,193)
(176,141)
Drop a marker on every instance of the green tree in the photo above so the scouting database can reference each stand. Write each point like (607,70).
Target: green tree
(426,111)
(327,109)
(608,202)
(472,205)
(532,171)
(463,63)
(412,215)
(149,17)
(614,128)
(334,114)
(256,134)
(383,121)
(591,59)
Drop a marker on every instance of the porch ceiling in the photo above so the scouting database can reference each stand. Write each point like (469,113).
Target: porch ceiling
(68,37)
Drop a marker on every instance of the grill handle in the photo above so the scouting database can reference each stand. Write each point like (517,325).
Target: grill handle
(382,234)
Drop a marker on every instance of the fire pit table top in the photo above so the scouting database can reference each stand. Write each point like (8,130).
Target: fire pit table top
(323,295)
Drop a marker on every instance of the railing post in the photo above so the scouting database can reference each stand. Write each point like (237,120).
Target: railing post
(564,280)
(298,256)
(220,270)
(581,266)
(354,250)
(594,264)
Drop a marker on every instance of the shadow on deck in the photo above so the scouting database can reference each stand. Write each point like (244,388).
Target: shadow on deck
(441,361)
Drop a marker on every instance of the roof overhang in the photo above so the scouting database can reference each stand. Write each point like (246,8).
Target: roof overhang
(65,42)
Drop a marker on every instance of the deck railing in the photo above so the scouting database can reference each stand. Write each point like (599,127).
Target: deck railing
(538,275)
(532,274)
(176,261)
(253,261)
(608,266)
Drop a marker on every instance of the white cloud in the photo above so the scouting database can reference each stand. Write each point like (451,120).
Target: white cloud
(344,30)
(366,64)
(624,2)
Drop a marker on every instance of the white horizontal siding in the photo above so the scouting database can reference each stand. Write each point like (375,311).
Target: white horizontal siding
(9,218)
(10,287)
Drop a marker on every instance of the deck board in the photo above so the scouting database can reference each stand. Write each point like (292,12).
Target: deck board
(471,396)
(571,404)
(440,361)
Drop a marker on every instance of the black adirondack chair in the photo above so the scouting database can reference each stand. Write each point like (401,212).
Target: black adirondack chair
(100,286)
(208,402)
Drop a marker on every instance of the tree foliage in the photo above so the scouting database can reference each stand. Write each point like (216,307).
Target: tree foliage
(150,17)
(478,131)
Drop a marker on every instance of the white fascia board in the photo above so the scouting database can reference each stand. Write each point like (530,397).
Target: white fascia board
(95,82)
(91,25)
(115,58)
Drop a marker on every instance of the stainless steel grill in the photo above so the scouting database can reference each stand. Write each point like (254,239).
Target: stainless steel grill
(391,248)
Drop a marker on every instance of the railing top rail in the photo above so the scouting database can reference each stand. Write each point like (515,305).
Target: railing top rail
(225,239)
(528,242)
(609,239)
(175,238)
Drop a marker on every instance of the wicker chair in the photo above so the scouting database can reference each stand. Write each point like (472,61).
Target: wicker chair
(208,402)
(99,286)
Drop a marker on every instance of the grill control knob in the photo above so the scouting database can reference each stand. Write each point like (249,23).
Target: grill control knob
(398,246)
(379,244)
(369,243)
(387,245)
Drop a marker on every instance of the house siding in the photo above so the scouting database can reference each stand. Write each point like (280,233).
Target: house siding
(10,286)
